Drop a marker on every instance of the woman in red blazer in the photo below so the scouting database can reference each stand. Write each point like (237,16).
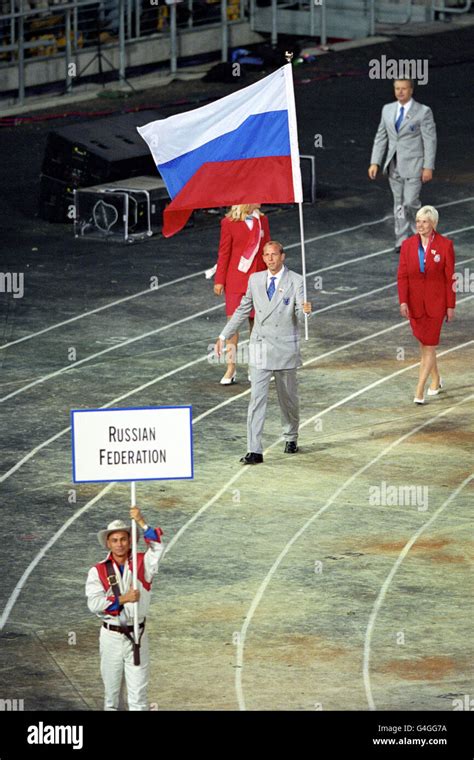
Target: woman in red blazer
(244,232)
(426,293)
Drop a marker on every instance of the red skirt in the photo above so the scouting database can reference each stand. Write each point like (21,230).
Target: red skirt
(427,329)
(232,302)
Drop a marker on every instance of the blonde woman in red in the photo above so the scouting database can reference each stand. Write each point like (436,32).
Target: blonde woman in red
(244,232)
(426,293)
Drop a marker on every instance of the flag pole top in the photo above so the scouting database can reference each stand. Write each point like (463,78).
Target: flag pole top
(288,56)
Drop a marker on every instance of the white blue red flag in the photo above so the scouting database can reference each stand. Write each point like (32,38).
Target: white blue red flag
(242,148)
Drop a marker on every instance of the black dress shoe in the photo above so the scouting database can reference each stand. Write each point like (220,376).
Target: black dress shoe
(398,248)
(291,447)
(252,458)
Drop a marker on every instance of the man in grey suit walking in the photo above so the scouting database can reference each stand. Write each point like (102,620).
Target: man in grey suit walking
(274,347)
(408,133)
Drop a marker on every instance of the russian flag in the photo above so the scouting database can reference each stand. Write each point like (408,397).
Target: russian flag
(242,148)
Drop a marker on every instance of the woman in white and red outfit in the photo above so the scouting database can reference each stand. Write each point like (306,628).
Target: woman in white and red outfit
(244,232)
(426,293)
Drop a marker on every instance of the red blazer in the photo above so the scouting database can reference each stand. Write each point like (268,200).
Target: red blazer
(430,292)
(234,238)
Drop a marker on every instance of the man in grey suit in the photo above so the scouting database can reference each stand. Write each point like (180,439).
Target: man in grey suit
(274,347)
(408,133)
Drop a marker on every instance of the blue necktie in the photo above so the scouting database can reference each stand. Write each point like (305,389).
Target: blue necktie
(271,289)
(421,256)
(398,122)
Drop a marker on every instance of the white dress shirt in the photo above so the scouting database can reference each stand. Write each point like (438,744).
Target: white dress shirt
(277,276)
(406,107)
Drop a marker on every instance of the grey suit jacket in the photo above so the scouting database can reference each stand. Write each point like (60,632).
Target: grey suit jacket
(414,144)
(275,340)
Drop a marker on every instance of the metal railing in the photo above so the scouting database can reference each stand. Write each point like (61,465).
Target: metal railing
(398,22)
(37,30)
(442,8)
(318,12)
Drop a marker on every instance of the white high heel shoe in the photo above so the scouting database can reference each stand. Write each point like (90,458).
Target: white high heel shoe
(229,380)
(418,400)
(435,392)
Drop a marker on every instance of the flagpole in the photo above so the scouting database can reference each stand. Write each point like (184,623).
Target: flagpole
(136,629)
(303,268)
(289,57)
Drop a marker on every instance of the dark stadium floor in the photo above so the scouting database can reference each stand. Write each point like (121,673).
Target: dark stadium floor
(283,587)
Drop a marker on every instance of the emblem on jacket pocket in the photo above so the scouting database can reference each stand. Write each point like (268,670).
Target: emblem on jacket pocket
(437,258)
(286,301)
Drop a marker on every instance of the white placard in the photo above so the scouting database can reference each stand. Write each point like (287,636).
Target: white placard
(146,443)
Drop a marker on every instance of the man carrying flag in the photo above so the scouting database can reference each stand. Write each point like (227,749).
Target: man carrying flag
(276,295)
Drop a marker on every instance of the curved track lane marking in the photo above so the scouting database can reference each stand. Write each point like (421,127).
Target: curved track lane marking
(71,366)
(58,435)
(19,586)
(99,308)
(263,586)
(346,262)
(17,590)
(320,414)
(129,341)
(53,438)
(140,293)
(385,586)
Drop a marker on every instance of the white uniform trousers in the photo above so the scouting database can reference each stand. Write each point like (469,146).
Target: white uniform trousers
(406,202)
(116,660)
(287,391)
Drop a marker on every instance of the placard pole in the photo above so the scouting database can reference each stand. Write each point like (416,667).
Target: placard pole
(136,630)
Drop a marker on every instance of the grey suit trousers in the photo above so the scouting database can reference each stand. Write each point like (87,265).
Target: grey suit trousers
(287,390)
(406,202)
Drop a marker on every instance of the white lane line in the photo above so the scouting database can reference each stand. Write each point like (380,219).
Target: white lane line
(346,262)
(134,391)
(128,342)
(385,586)
(114,401)
(263,586)
(21,583)
(197,274)
(17,590)
(320,414)
(12,599)
(100,308)
(165,285)
(369,224)
(340,232)
(46,443)
(455,203)
(70,366)
(376,290)
(19,586)
(117,400)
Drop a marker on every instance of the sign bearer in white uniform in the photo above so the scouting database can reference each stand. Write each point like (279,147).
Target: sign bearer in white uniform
(116,648)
